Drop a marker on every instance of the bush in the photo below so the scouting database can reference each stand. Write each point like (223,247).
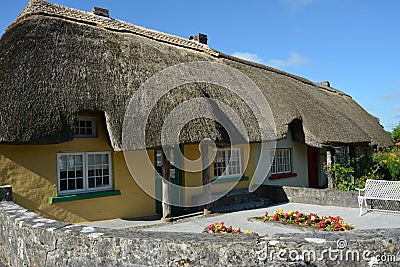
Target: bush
(380,165)
(342,176)
(388,164)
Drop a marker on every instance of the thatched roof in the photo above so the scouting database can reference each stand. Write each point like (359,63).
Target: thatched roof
(56,61)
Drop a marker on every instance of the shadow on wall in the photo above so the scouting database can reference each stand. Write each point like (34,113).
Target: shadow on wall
(326,197)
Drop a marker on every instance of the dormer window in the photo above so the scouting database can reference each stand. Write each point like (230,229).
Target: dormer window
(85,127)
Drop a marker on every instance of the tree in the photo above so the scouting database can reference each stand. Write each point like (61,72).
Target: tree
(396,134)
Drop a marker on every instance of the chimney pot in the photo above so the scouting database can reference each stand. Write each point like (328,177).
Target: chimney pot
(326,83)
(101,12)
(200,38)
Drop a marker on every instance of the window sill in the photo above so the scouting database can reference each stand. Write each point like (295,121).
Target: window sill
(282,176)
(85,196)
(222,180)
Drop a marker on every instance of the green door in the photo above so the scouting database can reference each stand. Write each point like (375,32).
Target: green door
(177,195)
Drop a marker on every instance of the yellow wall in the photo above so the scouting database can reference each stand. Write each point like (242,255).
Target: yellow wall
(32,173)
(194,179)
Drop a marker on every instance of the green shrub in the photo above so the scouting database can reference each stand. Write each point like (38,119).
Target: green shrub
(380,165)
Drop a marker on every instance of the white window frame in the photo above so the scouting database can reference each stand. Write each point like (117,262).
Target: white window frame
(227,173)
(86,188)
(91,119)
(274,154)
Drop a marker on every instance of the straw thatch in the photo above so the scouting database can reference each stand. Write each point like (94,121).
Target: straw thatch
(56,62)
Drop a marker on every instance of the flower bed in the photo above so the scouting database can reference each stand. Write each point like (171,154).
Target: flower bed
(327,223)
(220,228)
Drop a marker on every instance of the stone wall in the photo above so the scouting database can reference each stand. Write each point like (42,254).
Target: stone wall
(27,239)
(327,197)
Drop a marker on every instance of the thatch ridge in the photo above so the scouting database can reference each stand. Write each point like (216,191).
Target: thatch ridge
(56,62)
(45,8)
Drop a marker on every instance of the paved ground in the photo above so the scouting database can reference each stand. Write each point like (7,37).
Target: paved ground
(197,223)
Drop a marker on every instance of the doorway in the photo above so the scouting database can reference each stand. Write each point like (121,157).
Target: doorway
(176,194)
(313,166)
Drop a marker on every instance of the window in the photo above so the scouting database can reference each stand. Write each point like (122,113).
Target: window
(227,162)
(85,127)
(282,162)
(83,172)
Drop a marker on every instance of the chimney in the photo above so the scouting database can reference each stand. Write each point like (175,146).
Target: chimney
(200,38)
(325,83)
(101,12)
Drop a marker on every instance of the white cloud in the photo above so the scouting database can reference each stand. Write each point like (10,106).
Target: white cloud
(395,96)
(249,56)
(396,108)
(294,60)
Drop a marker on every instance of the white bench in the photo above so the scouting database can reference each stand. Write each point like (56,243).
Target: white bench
(380,190)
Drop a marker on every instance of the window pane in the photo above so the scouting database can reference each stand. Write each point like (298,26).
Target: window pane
(91,173)
(90,159)
(106,180)
(91,183)
(99,170)
(85,127)
(62,162)
(99,181)
(63,185)
(105,159)
(282,161)
(71,184)
(79,173)
(75,175)
(227,162)
(98,159)
(79,184)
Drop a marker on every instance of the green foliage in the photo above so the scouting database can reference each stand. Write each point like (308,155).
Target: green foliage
(396,134)
(342,176)
(380,165)
(388,163)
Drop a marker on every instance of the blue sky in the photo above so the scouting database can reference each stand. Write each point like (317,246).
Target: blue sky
(354,44)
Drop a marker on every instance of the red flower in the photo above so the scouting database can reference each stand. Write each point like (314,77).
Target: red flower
(321,224)
(337,227)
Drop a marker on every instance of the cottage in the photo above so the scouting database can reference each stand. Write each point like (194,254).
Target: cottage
(71,152)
